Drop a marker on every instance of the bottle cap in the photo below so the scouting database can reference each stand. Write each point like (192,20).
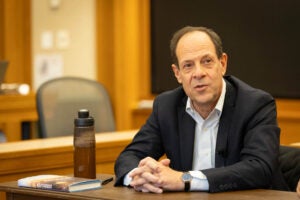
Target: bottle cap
(83,118)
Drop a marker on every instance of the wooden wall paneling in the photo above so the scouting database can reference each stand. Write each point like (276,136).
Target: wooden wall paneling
(288,113)
(123,54)
(16,39)
(144,76)
(1,28)
(105,45)
(126,58)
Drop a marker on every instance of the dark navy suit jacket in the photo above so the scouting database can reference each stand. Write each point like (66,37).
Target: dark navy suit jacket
(247,141)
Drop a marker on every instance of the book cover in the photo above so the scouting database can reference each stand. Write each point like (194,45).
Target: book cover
(59,183)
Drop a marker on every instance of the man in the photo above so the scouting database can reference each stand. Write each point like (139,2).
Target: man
(217,132)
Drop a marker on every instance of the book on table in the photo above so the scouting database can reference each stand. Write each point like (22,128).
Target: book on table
(60,183)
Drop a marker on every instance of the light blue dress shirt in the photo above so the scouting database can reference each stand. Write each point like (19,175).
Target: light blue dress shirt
(205,141)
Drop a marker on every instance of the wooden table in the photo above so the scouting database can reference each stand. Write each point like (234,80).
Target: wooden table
(15,109)
(13,192)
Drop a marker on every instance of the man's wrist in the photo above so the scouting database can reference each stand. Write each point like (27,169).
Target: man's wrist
(127,179)
(186,178)
(199,182)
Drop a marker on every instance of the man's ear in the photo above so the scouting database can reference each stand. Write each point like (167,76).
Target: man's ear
(176,73)
(224,63)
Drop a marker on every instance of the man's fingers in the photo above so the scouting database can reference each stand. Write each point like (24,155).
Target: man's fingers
(152,178)
(140,171)
(138,188)
(136,172)
(145,160)
(149,163)
(143,178)
(137,180)
(148,188)
(166,162)
(152,188)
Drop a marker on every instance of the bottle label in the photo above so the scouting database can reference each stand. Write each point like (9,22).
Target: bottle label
(84,140)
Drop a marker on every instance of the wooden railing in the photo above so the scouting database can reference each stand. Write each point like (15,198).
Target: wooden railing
(55,155)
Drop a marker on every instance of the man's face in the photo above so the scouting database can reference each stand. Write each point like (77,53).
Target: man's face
(200,70)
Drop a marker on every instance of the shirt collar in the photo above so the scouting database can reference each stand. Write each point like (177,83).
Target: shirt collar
(219,105)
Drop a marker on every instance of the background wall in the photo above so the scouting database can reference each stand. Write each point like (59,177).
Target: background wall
(261,40)
(122,44)
(116,32)
(64,33)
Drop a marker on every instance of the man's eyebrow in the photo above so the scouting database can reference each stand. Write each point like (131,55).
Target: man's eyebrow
(207,55)
(186,61)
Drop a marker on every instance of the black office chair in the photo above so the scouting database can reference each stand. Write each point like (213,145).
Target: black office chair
(58,101)
(289,163)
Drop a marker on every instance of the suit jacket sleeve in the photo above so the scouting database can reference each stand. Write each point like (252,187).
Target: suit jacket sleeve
(160,135)
(145,143)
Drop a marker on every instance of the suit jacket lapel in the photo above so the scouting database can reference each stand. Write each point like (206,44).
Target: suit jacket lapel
(224,126)
(186,127)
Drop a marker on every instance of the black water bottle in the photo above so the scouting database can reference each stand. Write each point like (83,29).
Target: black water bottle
(84,146)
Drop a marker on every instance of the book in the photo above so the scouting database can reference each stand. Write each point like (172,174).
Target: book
(60,183)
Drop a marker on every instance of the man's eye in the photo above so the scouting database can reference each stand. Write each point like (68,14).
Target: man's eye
(207,61)
(187,65)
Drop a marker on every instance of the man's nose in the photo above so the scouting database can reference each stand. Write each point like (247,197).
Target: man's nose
(199,71)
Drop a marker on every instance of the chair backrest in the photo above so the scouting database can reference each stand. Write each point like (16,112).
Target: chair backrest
(58,101)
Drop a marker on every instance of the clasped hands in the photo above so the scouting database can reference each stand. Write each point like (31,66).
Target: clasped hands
(156,176)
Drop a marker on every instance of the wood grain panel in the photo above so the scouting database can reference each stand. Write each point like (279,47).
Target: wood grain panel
(123,54)
(288,112)
(15,109)
(15,39)
(55,155)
